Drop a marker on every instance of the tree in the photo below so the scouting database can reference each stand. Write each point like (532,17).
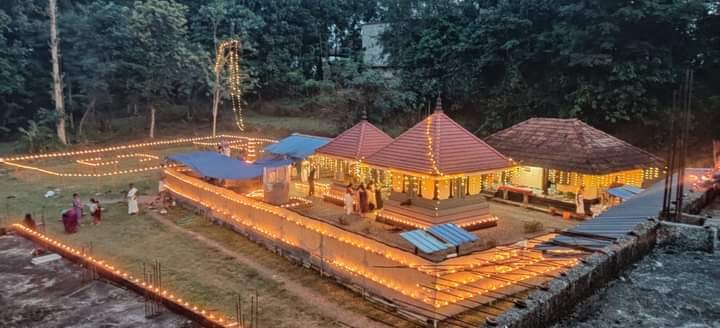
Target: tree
(160,29)
(99,38)
(57,92)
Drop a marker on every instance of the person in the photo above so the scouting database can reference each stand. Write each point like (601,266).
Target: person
(311,182)
(356,199)
(70,220)
(378,199)
(29,223)
(348,200)
(95,211)
(372,202)
(132,200)
(580,201)
(225,147)
(77,204)
(363,199)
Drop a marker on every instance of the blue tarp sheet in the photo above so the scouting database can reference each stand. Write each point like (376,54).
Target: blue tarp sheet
(297,146)
(214,165)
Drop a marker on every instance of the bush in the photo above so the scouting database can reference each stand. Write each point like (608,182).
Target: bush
(533,226)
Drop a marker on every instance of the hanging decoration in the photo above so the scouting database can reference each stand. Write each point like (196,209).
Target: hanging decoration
(228,58)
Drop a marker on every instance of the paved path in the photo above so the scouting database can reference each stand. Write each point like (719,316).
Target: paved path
(326,307)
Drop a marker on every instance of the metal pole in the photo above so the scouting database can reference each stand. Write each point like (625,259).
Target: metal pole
(667,192)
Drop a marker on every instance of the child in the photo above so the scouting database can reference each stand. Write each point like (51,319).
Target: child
(95,211)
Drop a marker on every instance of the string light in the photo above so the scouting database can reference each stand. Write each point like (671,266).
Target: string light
(183,186)
(228,56)
(118,274)
(142,157)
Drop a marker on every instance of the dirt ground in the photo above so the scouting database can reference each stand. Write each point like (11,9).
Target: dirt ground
(58,294)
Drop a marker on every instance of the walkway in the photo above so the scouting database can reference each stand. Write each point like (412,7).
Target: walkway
(327,308)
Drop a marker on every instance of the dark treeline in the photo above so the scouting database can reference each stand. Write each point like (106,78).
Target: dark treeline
(612,63)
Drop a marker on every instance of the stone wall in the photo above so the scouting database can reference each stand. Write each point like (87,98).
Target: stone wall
(548,305)
(687,236)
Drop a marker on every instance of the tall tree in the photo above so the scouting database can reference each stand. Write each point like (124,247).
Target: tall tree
(57,86)
(160,28)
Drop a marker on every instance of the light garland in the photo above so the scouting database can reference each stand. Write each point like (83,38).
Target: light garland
(231,50)
(430,270)
(143,157)
(116,273)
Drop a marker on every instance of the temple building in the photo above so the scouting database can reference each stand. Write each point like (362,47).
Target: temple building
(342,158)
(557,156)
(436,171)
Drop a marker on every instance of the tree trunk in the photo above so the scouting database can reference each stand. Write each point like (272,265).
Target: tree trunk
(70,110)
(152,122)
(88,110)
(57,80)
(216,101)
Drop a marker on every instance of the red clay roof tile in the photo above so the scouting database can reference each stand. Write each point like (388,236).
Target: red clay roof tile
(439,146)
(357,142)
(569,145)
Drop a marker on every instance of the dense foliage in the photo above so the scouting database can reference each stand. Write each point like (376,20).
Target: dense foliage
(494,62)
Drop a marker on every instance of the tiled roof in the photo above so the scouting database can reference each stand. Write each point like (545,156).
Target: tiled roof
(438,146)
(569,145)
(357,142)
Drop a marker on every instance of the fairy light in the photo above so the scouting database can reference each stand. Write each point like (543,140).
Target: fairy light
(228,57)
(500,254)
(118,274)
(95,161)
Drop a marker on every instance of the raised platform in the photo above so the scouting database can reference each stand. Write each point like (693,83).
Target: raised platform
(470,214)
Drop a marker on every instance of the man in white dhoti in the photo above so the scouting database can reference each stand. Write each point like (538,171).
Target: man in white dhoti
(132,200)
(580,202)
(348,201)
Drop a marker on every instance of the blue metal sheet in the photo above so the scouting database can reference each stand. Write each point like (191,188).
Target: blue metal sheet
(424,241)
(618,221)
(297,146)
(452,234)
(620,193)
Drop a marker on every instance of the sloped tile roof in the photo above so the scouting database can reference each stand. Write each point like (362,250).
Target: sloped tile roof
(439,146)
(569,145)
(357,142)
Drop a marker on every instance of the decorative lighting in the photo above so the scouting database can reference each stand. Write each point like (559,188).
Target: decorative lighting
(116,273)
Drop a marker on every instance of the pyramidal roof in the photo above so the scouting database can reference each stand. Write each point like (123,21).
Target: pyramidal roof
(357,142)
(569,145)
(439,146)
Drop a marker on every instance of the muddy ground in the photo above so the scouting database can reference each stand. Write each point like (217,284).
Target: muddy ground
(59,294)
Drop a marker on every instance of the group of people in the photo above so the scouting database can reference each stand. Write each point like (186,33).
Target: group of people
(72,217)
(362,200)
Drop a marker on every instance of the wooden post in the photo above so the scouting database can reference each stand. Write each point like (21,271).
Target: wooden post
(545,178)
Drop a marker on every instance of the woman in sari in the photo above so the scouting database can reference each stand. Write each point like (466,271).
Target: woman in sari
(70,220)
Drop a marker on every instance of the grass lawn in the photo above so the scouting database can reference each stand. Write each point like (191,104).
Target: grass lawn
(191,268)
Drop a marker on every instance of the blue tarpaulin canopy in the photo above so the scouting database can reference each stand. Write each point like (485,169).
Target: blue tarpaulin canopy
(214,165)
(297,146)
